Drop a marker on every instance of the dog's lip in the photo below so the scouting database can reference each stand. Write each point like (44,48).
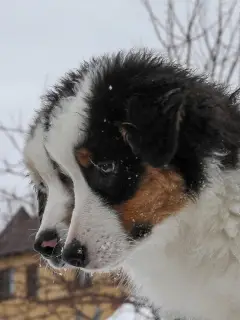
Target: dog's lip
(117,264)
(93,266)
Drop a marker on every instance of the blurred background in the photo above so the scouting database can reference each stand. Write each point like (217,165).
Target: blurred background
(40,40)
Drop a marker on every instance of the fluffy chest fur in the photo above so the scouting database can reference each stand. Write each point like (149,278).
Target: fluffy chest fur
(191,264)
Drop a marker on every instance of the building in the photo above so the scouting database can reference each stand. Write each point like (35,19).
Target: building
(31,291)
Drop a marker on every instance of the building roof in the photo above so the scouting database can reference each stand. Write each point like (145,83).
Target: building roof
(18,236)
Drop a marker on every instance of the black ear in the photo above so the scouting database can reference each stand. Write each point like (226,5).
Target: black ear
(131,136)
(152,131)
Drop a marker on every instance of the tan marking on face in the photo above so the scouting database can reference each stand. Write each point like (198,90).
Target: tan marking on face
(160,195)
(83,157)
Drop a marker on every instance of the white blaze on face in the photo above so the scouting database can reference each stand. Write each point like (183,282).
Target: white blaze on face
(93,224)
(65,133)
(41,170)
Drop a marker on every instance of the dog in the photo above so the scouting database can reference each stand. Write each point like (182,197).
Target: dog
(135,162)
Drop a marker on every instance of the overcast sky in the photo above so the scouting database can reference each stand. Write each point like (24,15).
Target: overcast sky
(40,40)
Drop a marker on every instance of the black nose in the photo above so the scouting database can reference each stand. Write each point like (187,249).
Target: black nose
(75,254)
(47,243)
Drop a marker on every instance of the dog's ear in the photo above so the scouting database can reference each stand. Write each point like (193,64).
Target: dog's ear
(152,131)
(131,136)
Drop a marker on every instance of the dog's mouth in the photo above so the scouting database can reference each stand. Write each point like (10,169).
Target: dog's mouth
(111,265)
(93,266)
(95,262)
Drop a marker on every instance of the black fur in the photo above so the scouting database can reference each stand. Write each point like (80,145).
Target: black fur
(42,200)
(172,119)
(140,230)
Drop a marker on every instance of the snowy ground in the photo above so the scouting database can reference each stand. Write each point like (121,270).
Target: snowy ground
(127,312)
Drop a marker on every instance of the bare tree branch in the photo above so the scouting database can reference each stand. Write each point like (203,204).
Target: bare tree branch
(212,47)
(154,21)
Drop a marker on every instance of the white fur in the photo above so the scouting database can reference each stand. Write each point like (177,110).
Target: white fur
(66,119)
(190,266)
(42,170)
(99,230)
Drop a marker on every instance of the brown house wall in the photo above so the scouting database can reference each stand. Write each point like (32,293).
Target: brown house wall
(57,298)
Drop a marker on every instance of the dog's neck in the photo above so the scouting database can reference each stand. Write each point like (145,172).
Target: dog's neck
(195,255)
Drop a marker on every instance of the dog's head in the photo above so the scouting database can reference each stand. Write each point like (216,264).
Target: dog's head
(118,147)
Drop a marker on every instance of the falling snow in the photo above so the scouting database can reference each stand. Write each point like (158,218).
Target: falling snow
(110,87)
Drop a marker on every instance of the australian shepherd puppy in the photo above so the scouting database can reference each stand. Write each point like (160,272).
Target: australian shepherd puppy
(135,162)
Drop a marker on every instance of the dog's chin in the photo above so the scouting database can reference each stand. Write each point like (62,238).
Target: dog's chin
(113,264)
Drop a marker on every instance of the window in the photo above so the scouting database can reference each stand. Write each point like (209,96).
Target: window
(7,286)
(32,281)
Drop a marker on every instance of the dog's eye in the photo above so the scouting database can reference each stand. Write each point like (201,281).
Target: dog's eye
(107,167)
